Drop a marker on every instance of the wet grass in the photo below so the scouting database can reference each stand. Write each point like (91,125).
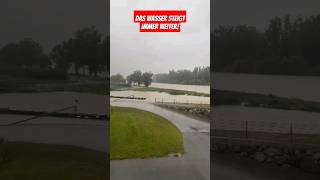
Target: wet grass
(31,161)
(171,91)
(140,134)
(94,88)
(221,97)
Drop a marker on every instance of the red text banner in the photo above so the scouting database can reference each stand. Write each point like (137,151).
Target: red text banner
(160,20)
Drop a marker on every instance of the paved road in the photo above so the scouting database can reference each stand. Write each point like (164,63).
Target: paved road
(193,165)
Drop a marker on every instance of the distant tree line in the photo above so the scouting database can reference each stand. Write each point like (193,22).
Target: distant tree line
(199,76)
(286,46)
(87,50)
(136,78)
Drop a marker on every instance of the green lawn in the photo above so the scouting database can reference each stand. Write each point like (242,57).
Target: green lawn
(140,134)
(29,161)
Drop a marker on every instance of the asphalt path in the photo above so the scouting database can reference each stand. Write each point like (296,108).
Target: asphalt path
(193,165)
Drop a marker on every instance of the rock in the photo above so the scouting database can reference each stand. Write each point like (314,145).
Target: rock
(214,148)
(309,152)
(223,147)
(286,165)
(298,153)
(309,164)
(244,154)
(316,156)
(259,156)
(269,160)
(261,148)
(280,160)
(286,151)
(236,149)
(272,152)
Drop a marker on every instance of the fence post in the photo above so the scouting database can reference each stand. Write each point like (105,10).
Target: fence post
(162,100)
(76,106)
(291,133)
(174,101)
(155,100)
(246,129)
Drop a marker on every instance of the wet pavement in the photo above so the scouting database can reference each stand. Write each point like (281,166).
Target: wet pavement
(193,165)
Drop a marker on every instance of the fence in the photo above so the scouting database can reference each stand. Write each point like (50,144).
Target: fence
(182,101)
(286,130)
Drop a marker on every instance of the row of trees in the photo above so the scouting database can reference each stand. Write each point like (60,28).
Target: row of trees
(286,46)
(199,76)
(137,77)
(88,49)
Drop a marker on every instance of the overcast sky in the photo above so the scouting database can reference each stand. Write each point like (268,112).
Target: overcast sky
(50,21)
(258,12)
(159,52)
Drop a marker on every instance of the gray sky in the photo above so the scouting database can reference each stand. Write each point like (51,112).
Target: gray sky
(159,52)
(50,21)
(258,12)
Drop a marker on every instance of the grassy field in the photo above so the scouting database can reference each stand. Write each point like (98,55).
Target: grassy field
(140,134)
(29,161)
(259,100)
(171,91)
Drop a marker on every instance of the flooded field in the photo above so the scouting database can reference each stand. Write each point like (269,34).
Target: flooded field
(51,101)
(195,88)
(265,120)
(163,97)
(88,133)
(304,87)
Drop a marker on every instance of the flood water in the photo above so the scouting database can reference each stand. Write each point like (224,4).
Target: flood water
(265,120)
(195,88)
(304,87)
(165,97)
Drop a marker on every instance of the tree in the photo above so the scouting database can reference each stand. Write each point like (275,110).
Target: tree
(62,55)
(137,77)
(199,75)
(117,78)
(130,79)
(26,53)
(87,49)
(147,78)
(104,55)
